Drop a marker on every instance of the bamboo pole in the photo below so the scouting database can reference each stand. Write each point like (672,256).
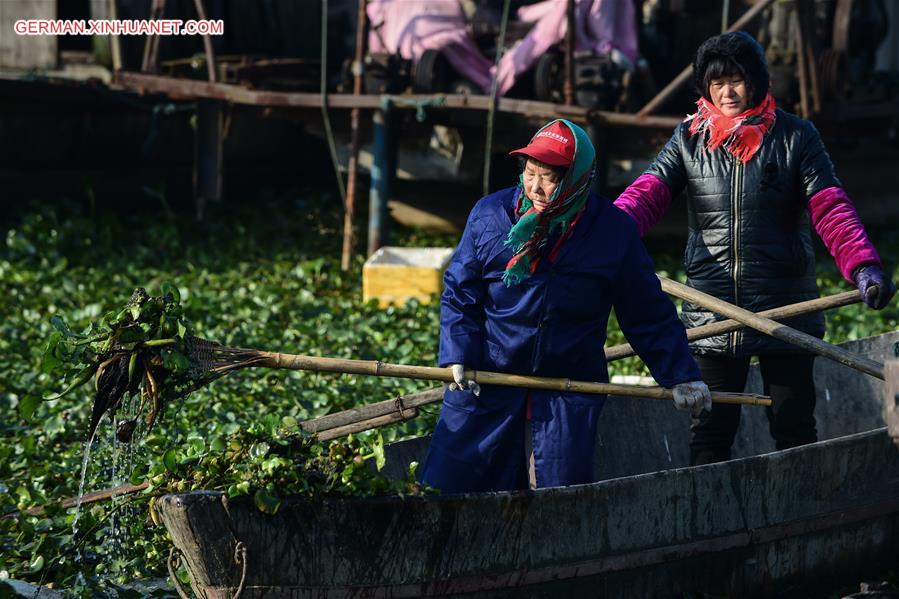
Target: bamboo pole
(364,425)
(87,498)
(370,416)
(773,328)
(399,405)
(838,300)
(431,373)
(333,426)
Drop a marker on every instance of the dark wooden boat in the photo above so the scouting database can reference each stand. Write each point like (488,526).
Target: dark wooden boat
(783,523)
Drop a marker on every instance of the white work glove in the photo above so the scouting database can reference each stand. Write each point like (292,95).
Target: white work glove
(694,396)
(460,382)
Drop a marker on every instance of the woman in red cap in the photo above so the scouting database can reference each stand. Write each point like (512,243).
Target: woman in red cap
(756,177)
(529,291)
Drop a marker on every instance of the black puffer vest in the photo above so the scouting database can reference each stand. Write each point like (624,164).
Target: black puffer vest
(749,239)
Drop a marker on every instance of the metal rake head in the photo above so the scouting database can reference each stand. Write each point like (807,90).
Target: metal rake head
(207,361)
(210,360)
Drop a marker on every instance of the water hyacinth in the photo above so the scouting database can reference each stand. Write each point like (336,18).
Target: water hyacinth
(140,350)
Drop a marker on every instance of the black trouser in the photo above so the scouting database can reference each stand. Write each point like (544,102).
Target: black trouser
(787,378)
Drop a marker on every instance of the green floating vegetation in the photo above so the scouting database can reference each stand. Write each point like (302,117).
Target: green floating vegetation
(259,272)
(141,350)
(270,460)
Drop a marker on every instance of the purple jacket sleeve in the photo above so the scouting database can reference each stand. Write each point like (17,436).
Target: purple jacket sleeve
(842,232)
(645,200)
(461,304)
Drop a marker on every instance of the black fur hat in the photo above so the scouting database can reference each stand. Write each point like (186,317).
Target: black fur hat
(744,51)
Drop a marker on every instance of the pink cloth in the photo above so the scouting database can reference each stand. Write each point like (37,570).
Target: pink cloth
(409,27)
(602,25)
(645,200)
(837,223)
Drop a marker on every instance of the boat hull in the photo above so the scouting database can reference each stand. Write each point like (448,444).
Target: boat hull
(793,518)
(784,522)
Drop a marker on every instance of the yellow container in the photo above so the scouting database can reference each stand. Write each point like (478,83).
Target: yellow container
(394,275)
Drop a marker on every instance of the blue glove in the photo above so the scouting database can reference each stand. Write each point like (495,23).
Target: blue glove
(874,285)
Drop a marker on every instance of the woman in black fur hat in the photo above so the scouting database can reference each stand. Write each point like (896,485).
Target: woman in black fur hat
(756,178)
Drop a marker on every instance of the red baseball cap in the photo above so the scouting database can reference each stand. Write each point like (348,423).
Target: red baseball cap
(553,145)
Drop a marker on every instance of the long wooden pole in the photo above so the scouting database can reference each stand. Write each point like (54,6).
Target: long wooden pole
(773,328)
(353,164)
(405,404)
(151,45)
(431,373)
(323,102)
(115,48)
(368,424)
(87,498)
(805,12)
(802,68)
(568,85)
(333,426)
(624,350)
(207,44)
(494,96)
(363,418)
(405,407)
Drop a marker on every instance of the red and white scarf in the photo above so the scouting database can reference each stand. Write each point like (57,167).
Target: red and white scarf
(740,135)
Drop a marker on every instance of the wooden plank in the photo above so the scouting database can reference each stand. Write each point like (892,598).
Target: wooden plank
(188,89)
(891,397)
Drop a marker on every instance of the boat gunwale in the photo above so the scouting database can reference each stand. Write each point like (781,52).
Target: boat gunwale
(456,497)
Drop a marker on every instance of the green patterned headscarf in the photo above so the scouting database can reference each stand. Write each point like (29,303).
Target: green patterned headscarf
(529,235)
